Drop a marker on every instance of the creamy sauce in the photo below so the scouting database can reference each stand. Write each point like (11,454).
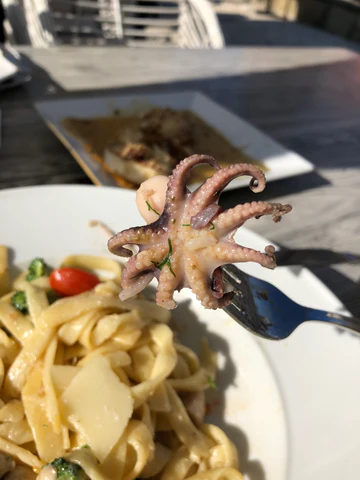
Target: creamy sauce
(152,191)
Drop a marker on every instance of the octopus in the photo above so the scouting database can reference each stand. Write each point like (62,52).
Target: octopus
(192,237)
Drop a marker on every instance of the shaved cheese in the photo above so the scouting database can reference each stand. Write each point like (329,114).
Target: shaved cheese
(98,406)
(62,376)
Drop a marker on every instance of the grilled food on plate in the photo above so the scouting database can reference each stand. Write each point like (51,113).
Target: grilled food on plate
(135,147)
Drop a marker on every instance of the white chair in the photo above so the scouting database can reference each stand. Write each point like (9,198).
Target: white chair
(45,23)
(150,23)
(145,23)
(184,23)
(199,26)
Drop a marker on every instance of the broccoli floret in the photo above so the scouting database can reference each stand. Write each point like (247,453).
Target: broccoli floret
(37,268)
(67,470)
(18,300)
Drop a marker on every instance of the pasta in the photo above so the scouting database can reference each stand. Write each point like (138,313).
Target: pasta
(101,385)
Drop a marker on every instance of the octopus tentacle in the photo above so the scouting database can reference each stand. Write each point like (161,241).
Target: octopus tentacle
(145,260)
(137,285)
(132,236)
(199,283)
(139,271)
(169,280)
(176,188)
(166,288)
(233,218)
(210,190)
(224,253)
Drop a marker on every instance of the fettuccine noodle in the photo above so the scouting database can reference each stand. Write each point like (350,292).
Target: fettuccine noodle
(103,384)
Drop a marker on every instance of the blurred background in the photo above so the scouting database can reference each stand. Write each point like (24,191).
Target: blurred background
(41,22)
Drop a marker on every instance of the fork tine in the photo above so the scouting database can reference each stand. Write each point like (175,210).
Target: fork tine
(243,307)
(233,275)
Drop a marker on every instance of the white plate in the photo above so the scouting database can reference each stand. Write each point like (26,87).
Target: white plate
(280,162)
(316,368)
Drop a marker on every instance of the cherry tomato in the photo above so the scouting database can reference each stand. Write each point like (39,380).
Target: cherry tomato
(72,281)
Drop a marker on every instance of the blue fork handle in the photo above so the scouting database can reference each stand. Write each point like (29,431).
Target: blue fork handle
(347,322)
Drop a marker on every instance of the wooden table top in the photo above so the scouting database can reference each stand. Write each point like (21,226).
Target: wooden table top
(306,98)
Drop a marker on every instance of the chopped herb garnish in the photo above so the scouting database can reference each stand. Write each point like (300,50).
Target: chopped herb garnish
(185,224)
(212,383)
(171,270)
(212,226)
(85,446)
(151,209)
(166,260)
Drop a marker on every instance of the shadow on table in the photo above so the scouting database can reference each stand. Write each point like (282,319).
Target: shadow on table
(347,290)
(42,84)
(343,287)
(269,31)
(278,189)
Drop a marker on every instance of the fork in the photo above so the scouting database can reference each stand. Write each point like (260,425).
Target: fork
(266,311)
